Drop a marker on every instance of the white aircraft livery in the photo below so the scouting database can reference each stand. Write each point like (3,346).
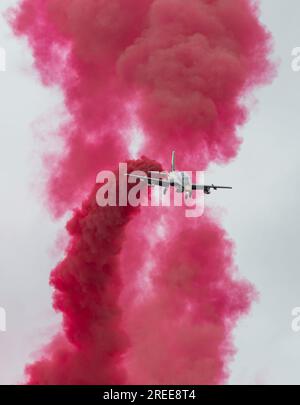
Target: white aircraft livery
(180,180)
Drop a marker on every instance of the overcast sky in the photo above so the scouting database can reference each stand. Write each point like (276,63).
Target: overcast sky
(260,214)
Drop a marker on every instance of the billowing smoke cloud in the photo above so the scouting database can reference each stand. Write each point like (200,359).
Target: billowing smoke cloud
(179,320)
(156,305)
(179,68)
(87,285)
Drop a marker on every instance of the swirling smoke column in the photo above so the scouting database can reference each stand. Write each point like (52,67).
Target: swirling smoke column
(145,298)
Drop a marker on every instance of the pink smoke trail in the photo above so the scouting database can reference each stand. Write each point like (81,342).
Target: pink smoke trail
(178,70)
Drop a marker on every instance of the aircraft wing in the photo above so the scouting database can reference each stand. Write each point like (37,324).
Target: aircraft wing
(207,189)
(151,181)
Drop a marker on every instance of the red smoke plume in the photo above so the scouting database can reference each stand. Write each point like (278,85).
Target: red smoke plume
(179,320)
(87,285)
(177,70)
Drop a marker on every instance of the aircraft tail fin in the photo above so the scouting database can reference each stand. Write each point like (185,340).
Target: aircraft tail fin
(173,162)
